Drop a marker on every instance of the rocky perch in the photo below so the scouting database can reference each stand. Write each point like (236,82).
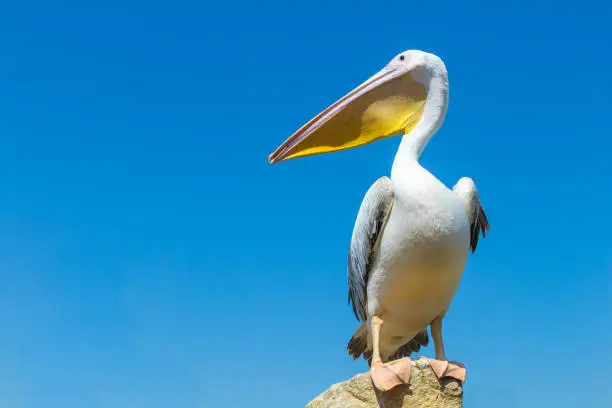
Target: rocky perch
(424,391)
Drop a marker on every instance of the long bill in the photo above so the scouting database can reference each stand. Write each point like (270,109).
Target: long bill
(389,103)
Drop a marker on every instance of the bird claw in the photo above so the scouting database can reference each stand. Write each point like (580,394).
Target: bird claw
(387,376)
(443,368)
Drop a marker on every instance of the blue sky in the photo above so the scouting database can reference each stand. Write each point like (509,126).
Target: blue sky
(150,256)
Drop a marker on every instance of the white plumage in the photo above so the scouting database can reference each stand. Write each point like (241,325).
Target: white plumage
(412,265)
(412,235)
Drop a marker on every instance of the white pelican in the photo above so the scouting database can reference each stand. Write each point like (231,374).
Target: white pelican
(412,235)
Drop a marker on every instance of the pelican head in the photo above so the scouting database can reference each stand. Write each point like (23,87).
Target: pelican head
(389,103)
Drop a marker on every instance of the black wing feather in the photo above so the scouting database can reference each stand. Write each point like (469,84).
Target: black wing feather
(371,220)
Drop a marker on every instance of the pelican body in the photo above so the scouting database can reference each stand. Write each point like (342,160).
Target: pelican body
(420,262)
(412,235)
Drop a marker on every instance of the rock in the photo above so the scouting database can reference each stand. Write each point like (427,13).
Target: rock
(424,391)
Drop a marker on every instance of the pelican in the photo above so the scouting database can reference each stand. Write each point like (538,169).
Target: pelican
(412,235)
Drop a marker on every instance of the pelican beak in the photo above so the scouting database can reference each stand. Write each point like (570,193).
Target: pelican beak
(389,103)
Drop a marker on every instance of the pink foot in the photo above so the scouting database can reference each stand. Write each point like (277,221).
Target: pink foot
(389,375)
(444,368)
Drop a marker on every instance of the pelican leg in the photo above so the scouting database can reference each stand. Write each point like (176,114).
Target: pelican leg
(386,376)
(441,366)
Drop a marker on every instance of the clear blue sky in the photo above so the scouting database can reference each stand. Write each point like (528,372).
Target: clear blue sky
(150,257)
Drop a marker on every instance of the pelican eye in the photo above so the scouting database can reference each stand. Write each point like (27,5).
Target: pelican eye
(402,58)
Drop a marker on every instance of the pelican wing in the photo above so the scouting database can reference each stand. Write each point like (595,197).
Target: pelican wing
(371,220)
(466,189)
